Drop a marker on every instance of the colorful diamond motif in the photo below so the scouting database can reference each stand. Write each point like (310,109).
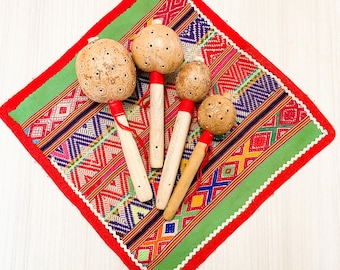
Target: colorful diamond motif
(144,254)
(170,228)
(260,141)
(229,170)
(197,201)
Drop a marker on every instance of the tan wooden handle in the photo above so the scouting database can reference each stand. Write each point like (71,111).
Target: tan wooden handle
(156,125)
(173,158)
(134,162)
(185,181)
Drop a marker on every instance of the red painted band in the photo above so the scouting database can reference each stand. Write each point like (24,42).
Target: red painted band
(187,105)
(116,107)
(156,78)
(206,137)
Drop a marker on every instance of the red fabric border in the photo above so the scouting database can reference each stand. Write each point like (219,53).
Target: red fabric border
(201,256)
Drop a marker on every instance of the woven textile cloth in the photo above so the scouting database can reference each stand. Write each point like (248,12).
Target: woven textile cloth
(278,129)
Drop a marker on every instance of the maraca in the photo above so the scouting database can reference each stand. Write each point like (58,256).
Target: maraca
(216,115)
(107,74)
(193,83)
(157,49)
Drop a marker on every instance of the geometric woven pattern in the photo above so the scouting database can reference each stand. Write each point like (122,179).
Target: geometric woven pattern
(55,113)
(76,141)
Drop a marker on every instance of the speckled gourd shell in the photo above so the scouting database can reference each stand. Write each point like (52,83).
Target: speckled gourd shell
(106,71)
(157,48)
(193,81)
(216,114)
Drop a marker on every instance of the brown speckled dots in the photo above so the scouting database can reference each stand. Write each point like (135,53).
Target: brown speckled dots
(106,71)
(157,48)
(217,114)
(193,81)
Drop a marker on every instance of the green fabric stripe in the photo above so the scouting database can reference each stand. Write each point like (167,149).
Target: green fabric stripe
(47,92)
(121,25)
(58,83)
(236,199)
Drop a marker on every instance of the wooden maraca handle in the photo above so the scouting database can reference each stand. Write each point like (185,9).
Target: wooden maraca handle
(131,153)
(173,158)
(157,49)
(156,123)
(134,161)
(216,115)
(185,181)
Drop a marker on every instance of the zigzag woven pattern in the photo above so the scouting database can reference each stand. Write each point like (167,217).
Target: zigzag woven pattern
(79,139)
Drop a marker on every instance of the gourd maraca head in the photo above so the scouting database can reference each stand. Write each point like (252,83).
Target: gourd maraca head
(193,81)
(217,114)
(157,48)
(106,71)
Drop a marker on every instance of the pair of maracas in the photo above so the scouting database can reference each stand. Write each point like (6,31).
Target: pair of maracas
(216,116)
(107,74)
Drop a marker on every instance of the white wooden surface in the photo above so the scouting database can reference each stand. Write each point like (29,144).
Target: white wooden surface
(156,119)
(297,228)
